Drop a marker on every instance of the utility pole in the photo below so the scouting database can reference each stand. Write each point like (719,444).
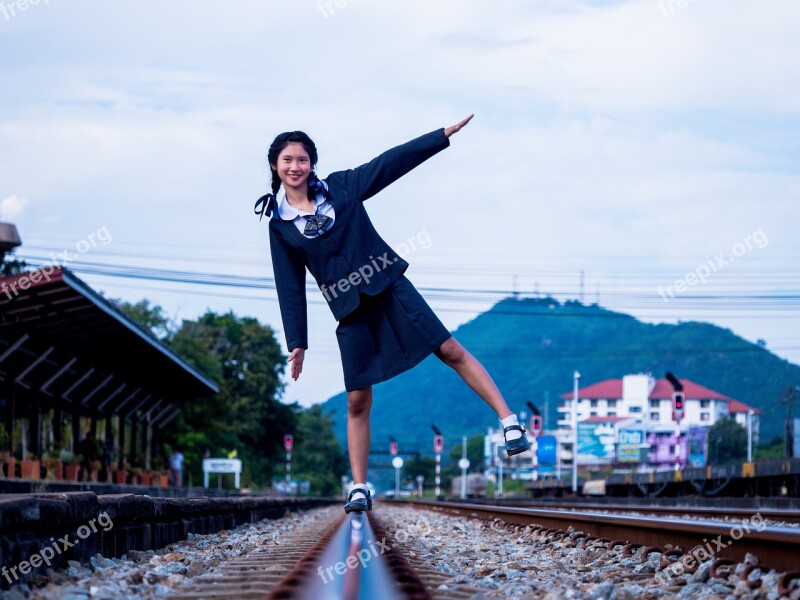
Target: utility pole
(789,429)
(576,376)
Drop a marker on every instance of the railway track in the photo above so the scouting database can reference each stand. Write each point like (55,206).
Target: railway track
(778,547)
(445,550)
(340,557)
(354,557)
(721,513)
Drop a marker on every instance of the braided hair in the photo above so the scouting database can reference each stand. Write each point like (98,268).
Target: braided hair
(315,186)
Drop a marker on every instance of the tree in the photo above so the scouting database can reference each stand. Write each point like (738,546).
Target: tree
(776,448)
(727,442)
(11,266)
(244,358)
(426,466)
(474,454)
(317,455)
(150,317)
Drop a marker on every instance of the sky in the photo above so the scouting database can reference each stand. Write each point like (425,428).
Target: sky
(640,154)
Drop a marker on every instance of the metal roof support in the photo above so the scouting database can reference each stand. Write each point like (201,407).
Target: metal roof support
(145,408)
(58,420)
(102,384)
(134,441)
(110,397)
(160,415)
(76,429)
(121,442)
(58,374)
(138,406)
(128,399)
(13,347)
(81,379)
(36,426)
(143,445)
(32,366)
(172,416)
(148,407)
(151,409)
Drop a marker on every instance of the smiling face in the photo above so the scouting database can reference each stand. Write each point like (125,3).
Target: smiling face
(293,166)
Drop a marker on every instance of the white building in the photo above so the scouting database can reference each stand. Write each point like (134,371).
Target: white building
(649,402)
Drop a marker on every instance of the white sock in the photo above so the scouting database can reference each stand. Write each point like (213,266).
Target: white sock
(359,495)
(514,433)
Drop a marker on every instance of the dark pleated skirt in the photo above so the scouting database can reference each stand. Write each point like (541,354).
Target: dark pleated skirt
(387,334)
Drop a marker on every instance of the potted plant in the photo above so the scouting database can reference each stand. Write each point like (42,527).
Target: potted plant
(31,467)
(144,477)
(5,454)
(52,462)
(94,468)
(72,469)
(5,443)
(135,472)
(121,475)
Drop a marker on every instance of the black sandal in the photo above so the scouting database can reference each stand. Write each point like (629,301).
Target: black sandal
(519,445)
(360,505)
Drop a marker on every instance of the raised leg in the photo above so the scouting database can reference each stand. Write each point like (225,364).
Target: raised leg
(453,354)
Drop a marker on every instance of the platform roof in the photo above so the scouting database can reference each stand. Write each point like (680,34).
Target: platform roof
(60,338)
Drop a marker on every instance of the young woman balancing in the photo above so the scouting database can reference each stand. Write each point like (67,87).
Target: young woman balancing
(385,326)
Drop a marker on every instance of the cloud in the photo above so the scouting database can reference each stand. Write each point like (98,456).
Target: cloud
(608,134)
(11,207)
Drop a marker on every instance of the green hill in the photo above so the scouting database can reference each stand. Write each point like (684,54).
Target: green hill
(531,348)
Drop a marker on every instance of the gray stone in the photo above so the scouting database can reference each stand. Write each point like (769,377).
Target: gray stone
(691,590)
(77,570)
(701,574)
(603,591)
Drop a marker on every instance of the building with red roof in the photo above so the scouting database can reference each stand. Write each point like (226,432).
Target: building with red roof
(648,403)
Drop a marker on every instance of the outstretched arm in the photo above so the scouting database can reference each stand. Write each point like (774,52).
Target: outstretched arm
(370,178)
(290,282)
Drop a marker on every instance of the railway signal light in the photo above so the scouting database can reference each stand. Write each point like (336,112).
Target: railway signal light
(678,400)
(438,444)
(536,424)
(288,442)
(393,448)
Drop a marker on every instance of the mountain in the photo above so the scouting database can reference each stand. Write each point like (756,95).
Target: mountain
(532,346)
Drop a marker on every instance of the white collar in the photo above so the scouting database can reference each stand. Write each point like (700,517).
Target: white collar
(287,212)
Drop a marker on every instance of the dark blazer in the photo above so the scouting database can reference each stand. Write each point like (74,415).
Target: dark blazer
(350,258)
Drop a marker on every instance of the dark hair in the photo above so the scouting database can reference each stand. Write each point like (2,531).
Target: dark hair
(277,147)
(315,186)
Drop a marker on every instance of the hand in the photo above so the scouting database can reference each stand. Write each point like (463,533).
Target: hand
(451,130)
(296,358)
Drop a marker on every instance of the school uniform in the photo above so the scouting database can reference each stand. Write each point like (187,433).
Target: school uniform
(385,326)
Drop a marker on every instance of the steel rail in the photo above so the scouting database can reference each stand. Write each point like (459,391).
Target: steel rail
(356,561)
(711,512)
(776,547)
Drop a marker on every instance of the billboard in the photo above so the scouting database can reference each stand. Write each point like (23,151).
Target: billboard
(698,446)
(596,443)
(546,451)
(629,447)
